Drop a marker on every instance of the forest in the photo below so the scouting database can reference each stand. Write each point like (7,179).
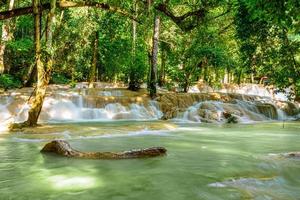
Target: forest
(139,41)
(205,93)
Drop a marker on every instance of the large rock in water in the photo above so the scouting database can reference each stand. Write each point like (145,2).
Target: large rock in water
(290,108)
(63,148)
(292,155)
(267,109)
(173,103)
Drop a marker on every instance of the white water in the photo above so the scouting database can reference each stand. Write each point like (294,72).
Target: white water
(71,136)
(70,106)
(248,89)
(244,111)
(64,109)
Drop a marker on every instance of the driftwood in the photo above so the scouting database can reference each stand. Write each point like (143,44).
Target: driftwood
(63,148)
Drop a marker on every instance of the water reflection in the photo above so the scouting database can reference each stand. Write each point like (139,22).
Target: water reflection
(62,182)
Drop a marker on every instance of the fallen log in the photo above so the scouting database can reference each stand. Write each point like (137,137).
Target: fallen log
(63,148)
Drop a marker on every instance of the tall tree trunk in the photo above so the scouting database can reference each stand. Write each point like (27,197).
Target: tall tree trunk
(49,40)
(252,77)
(239,77)
(29,78)
(162,75)
(187,77)
(153,74)
(94,63)
(133,85)
(43,75)
(7,35)
(36,106)
(205,74)
(149,3)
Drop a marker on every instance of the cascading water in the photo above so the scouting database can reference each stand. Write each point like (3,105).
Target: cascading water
(74,110)
(248,89)
(64,104)
(244,111)
(72,106)
(5,114)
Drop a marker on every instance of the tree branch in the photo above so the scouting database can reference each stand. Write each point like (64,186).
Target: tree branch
(181,21)
(223,30)
(65,5)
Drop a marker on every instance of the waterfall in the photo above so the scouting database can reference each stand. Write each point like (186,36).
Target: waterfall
(248,89)
(73,108)
(78,105)
(244,111)
(63,104)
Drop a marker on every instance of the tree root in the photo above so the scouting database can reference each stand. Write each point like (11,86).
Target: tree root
(21,126)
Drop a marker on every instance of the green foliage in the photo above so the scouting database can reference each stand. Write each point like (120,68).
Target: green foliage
(19,55)
(268,36)
(239,37)
(8,82)
(59,79)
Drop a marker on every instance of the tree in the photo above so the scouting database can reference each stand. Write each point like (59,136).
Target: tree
(94,62)
(271,29)
(7,35)
(155,46)
(43,74)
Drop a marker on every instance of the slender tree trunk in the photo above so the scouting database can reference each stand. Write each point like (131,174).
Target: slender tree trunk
(252,77)
(94,63)
(239,77)
(43,75)
(205,74)
(149,3)
(7,35)
(49,40)
(226,76)
(153,75)
(162,74)
(186,82)
(29,78)
(133,85)
(134,26)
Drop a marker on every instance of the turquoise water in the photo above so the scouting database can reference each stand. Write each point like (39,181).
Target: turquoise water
(203,162)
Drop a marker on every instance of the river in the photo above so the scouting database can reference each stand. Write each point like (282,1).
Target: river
(204,161)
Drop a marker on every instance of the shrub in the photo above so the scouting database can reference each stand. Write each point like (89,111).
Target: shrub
(59,79)
(8,81)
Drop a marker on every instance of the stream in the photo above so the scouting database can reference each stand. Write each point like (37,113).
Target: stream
(204,161)
(209,161)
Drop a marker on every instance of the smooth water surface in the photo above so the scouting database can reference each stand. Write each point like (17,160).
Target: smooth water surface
(203,162)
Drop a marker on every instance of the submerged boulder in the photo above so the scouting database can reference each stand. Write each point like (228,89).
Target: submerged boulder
(211,115)
(231,119)
(290,108)
(292,155)
(288,155)
(267,109)
(172,104)
(63,148)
